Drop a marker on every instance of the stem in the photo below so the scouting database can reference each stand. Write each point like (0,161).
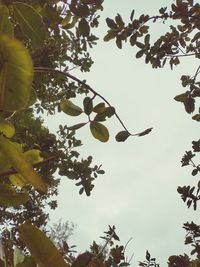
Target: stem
(185,55)
(44,69)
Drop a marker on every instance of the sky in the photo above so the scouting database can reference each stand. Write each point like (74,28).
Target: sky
(138,193)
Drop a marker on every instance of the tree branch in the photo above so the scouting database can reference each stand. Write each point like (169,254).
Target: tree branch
(44,69)
(50,70)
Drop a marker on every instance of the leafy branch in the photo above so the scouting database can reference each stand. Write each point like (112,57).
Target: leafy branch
(66,74)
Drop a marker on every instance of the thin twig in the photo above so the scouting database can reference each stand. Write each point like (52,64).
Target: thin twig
(185,55)
(105,245)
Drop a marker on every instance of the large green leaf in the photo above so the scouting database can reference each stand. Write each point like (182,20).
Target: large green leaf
(16,73)
(42,249)
(7,128)
(30,22)
(69,108)
(10,198)
(99,131)
(5,24)
(21,165)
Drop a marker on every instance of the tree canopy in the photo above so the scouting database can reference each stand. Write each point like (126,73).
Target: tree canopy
(41,42)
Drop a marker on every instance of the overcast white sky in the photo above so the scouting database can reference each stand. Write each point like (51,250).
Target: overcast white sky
(138,192)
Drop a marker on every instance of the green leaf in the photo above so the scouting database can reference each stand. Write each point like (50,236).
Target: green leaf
(5,163)
(140,54)
(147,131)
(69,108)
(16,73)
(119,42)
(88,105)
(84,27)
(132,15)
(30,22)
(122,136)
(18,180)
(10,198)
(32,98)
(99,131)
(119,21)
(196,117)
(27,262)
(33,156)
(76,126)
(111,34)
(5,24)
(21,165)
(7,128)
(181,98)
(111,24)
(99,108)
(40,246)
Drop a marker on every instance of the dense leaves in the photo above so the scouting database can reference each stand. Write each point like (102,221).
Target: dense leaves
(54,37)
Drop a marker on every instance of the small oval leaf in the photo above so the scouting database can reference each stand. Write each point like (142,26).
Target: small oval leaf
(196,117)
(88,105)
(69,108)
(122,136)
(99,131)
(99,108)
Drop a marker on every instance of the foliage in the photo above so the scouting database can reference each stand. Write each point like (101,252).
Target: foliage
(41,42)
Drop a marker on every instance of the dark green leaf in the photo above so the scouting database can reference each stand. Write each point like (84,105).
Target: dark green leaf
(88,105)
(110,35)
(132,14)
(196,117)
(111,24)
(76,126)
(147,131)
(181,98)
(122,136)
(119,42)
(119,21)
(140,54)
(99,108)
(189,105)
(84,27)
(133,39)
(99,131)
(69,108)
